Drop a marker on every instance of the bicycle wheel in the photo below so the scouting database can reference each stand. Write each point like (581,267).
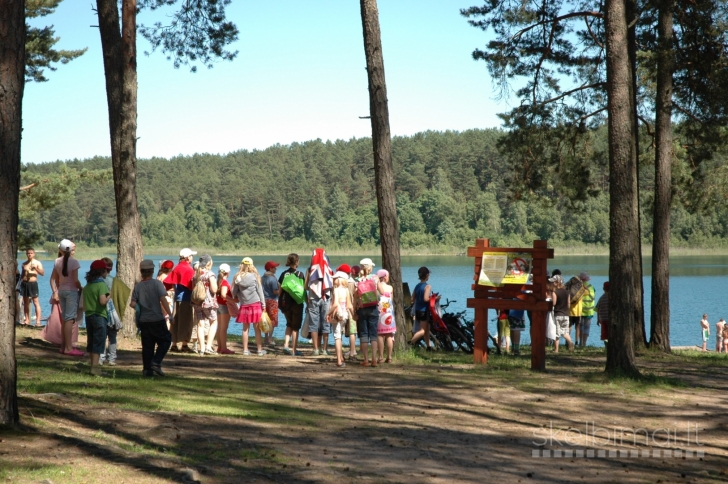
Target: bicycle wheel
(463,343)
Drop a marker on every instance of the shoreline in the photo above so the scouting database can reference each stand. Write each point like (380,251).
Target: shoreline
(597,251)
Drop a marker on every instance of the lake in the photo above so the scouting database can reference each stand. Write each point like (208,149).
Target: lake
(698,285)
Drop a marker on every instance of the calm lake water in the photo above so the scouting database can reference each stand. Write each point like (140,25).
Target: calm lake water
(698,284)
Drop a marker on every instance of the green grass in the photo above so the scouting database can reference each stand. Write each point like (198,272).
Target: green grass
(32,470)
(203,395)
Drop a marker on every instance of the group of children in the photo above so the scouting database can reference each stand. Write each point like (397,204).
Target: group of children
(721,334)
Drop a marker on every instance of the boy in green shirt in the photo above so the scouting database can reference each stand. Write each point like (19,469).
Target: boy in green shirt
(95,296)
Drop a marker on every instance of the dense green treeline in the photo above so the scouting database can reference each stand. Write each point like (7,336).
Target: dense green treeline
(452,187)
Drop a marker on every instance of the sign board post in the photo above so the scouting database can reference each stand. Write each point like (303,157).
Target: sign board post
(501,282)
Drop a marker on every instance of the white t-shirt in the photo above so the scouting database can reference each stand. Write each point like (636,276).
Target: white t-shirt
(67,283)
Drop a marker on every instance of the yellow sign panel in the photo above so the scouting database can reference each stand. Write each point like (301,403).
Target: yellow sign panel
(499,268)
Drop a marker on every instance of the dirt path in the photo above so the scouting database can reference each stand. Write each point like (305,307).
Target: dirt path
(304,420)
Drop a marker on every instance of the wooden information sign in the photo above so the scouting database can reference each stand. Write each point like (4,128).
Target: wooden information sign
(499,283)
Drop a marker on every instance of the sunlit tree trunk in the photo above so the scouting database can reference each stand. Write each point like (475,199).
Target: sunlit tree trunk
(12,79)
(383,169)
(120,68)
(624,237)
(660,313)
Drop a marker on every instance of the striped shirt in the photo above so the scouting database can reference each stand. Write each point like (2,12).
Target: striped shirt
(603,307)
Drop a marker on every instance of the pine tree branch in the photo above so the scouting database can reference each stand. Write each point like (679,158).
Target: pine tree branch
(556,20)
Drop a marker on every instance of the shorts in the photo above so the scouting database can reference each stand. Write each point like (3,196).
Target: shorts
(317,310)
(96,334)
(368,324)
(69,304)
(294,316)
(562,326)
(706,335)
(223,309)
(504,331)
(29,289)
(423,315)
(271,307)
(574,320)
(585,325)
(338,329)
(516,324)
(209,314)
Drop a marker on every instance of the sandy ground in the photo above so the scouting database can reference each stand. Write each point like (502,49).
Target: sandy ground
(396,423)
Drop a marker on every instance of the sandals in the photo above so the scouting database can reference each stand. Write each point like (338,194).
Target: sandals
(365,363)
(388,360)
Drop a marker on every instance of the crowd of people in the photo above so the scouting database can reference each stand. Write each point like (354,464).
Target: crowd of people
(187,307)
(573,310)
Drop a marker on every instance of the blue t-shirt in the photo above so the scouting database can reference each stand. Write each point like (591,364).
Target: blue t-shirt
(270,284)
(516,313)
(181,293)
(419,295)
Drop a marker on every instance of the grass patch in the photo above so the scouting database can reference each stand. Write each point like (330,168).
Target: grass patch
(32,470)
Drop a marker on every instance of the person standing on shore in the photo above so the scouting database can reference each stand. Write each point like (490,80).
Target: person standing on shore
(66,291)
(603,314)
(96,295)
(705,331)
(719,335)
(31,269)
(223,310)
(271,291)
(247,289)
(587,309)
(180,279)
(206,310)
(151,297)
(291,309)
(319,283)
(562,300)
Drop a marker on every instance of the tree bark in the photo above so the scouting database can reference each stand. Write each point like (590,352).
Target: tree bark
(624,237)
(660,314)
(119,50)
(640,335)
(12,82)
(383,168)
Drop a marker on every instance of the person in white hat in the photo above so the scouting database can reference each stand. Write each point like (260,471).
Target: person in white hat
(66,290)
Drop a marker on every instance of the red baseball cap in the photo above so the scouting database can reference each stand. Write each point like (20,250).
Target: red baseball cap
(167,264)
(98,265)
(270,265)
(344,268)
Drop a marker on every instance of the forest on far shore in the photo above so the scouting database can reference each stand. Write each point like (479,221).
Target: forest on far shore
(452,187)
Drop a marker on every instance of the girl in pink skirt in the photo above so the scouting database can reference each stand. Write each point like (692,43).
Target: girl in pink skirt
(248,290)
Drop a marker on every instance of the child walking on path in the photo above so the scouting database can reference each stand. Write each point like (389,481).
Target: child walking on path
(705,331)
(341,310)
(151,297)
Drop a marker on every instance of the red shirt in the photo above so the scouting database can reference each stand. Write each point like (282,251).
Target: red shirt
(220,299)
(182,274)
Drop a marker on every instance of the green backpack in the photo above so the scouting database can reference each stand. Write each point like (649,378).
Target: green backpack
(293,285)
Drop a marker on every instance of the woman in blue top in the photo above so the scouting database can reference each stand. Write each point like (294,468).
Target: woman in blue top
(421,295)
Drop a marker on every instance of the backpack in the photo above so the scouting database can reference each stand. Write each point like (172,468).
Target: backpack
(199,292)
(293,285)
(576,289)
(367,290)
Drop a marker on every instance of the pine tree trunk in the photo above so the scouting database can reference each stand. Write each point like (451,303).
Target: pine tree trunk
(660,314)
(640,335)
(119,48)
(12,82)
(383,168)
(624,237)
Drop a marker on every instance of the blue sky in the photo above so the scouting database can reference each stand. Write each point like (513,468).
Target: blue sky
(299,75)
